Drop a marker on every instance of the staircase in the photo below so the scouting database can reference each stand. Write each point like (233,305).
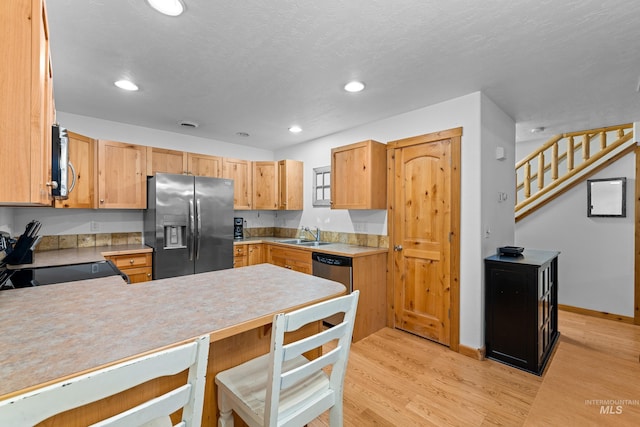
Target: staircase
(566,160)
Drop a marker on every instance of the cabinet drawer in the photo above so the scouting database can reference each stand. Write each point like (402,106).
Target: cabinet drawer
(131,260)
(298,260)
(138,274)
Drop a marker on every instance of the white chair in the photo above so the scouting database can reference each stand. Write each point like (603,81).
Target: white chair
(35,406)
(283,388)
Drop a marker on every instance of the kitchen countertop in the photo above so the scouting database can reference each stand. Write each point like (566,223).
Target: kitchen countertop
(57,331)
(80,255)
(331,248)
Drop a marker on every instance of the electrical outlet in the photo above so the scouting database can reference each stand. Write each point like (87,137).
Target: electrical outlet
(94,226)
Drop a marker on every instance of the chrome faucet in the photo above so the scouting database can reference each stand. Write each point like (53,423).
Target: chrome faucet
(315,236)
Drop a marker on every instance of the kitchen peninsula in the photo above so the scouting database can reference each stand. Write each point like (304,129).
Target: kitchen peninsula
(58,331)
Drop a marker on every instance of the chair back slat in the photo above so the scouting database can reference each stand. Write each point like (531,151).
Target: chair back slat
(301,372)
(159,407)
(304,316)
(297,348)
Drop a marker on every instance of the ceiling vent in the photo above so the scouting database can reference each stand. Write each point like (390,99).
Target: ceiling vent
(188,124)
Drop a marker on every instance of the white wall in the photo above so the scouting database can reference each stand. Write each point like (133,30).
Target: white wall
(115,131)
(497,220)
(596,261)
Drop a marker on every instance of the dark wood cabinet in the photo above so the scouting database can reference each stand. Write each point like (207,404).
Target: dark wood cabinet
(521,311)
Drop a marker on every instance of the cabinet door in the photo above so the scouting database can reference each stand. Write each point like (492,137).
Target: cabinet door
(256,254)
(137,266)
(291,179)
(41,136)
(26,110)
(358,176)
(167,161)
(122,182)
(204,165)
(239,256)
(240,171)
(293,259)
(265,185)
(82,155)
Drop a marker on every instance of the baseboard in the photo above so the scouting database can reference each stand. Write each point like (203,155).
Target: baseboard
(474,353)
(595,313)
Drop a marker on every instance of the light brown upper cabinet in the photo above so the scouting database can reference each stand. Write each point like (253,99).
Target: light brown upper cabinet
(277,185)
(290,178)
(265,185)
(27,110)
(165,161)
(359,176)
(241,172)
(82,155)
(204,165)
(122,180)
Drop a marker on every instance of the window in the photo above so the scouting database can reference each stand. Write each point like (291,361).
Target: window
(322,186)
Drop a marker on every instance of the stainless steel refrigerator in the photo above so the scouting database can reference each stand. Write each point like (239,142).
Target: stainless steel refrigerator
(189,224)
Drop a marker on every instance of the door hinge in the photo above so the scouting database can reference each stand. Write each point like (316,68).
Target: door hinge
(450,236)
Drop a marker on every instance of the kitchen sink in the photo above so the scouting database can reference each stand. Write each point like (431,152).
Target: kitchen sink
(303,242)
(314,243)
(296,241)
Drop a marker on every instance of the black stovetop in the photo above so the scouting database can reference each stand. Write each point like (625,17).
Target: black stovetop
(40,276)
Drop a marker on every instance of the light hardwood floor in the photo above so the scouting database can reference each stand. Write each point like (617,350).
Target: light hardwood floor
(397,379)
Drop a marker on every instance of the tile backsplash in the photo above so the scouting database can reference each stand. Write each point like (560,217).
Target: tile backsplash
(370,240)
(69,241)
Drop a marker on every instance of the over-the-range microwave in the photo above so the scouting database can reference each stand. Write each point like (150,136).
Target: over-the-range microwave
(60,164)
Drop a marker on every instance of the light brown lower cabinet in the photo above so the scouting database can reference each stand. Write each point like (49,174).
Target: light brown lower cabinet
(293,259)
(137,266)
(369,276)
(248,254)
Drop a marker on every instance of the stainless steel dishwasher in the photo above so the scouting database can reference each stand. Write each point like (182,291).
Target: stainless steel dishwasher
(337,268)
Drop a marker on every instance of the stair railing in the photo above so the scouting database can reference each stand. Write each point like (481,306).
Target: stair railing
(562,158)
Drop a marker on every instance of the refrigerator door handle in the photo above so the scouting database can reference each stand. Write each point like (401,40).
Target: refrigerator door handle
(199,222)
(192,225)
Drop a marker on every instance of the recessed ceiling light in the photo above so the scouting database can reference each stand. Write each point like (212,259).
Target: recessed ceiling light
(295,129)
(537,130)
(354,86)
(126,85)
(168,7)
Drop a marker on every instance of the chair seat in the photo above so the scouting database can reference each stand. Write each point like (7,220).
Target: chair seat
(247,384)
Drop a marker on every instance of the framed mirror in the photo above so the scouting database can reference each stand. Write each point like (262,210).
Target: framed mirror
(607,197)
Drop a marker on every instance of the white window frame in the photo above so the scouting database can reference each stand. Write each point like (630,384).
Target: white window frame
(322,184)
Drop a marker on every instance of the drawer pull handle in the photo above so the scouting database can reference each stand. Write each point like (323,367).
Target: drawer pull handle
(131,261)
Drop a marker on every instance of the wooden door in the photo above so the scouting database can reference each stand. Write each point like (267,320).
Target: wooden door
(424,225)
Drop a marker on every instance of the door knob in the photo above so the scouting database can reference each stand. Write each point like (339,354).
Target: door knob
(397,248)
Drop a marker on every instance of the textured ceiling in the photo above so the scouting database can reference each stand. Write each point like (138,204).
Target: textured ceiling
(260,66)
